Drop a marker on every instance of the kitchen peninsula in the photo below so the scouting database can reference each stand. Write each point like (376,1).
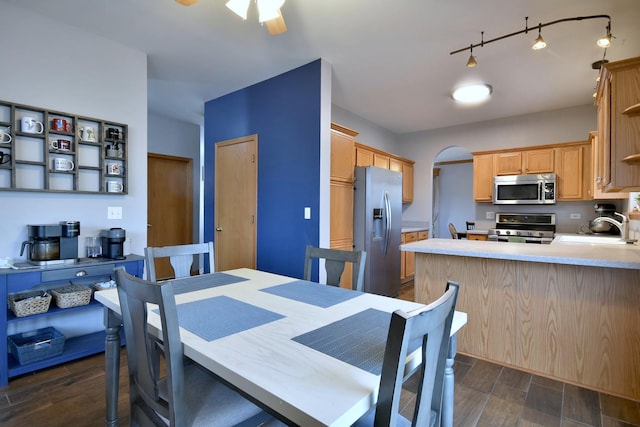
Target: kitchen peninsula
(568,311)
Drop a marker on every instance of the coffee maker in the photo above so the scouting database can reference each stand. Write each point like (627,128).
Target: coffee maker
(112,243)
(52,243)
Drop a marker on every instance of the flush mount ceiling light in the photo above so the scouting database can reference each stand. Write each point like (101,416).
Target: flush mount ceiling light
(472,94)
(539,43)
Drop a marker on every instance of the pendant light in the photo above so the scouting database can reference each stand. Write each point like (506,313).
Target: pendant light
(239,7)
(539,43)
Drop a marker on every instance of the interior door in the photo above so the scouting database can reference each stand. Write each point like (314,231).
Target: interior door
(235,213)
(170,204)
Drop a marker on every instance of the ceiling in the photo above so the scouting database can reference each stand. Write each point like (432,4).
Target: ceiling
(390,58)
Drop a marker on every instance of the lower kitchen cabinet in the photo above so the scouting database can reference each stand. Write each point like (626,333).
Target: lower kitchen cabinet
(47,278)
(407,265)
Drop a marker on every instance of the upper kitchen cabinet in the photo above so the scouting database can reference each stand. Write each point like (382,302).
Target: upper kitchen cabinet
(342,153)
(596,180)
(369,156)
(524,162)
(341,193)
(483,177)
(618,101)
(570,172)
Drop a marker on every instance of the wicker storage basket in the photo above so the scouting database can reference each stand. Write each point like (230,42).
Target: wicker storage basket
(28,303)
(71,296)
(29,347)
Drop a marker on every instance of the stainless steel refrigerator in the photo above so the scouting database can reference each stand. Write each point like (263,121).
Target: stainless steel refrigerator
(376,227)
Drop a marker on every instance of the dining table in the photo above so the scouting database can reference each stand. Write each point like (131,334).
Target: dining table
(310,354)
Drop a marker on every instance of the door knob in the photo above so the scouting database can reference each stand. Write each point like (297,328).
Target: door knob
(218,228)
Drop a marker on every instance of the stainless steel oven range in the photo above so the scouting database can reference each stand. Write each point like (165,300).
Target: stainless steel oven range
(524,228)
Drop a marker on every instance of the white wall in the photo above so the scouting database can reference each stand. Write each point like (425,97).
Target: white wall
(549,127)
(368,133)
(54,66)
(177,138)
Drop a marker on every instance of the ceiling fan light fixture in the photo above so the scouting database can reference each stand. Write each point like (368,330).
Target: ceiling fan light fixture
(239,7)
(472,94)
(269,9)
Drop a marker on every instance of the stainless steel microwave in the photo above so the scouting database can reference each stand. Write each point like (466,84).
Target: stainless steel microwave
(524,189)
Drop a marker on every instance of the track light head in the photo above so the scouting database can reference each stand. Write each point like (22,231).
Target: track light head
(472,60)
(539,43)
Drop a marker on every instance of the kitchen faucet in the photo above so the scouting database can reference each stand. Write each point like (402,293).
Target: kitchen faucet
(623,225)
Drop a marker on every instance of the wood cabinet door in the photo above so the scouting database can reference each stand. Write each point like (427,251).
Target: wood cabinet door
(538,161)
(380,160)
(569,173)
(364,157)
(483,178)
(410,260)
(341,219)
(342,151)
(508,163)
(407,182)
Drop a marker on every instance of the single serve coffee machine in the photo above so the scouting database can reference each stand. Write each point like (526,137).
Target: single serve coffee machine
(52,243)
(113,243)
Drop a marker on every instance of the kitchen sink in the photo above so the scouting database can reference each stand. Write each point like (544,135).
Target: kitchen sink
(588,239)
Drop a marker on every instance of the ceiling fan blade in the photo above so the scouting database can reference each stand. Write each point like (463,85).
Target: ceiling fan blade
(187,2)
(276,25)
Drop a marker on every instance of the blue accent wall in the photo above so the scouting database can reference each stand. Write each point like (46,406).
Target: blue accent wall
(284,112)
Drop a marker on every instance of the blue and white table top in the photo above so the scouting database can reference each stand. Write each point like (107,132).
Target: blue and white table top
(311,352)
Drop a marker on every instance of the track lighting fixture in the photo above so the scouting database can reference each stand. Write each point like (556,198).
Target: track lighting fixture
(472,60)
(539,42)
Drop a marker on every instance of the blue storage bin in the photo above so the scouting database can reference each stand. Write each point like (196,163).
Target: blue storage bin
(29,347)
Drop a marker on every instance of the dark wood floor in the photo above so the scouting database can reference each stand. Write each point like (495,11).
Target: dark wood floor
(486,394)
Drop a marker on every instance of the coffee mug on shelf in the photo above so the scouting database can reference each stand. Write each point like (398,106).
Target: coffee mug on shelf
(61,164)
(60,144)
(113,133)
(59,125)
(31,125)
(114,169)
(4,158)
(5,135)
(114,187)
(88,133)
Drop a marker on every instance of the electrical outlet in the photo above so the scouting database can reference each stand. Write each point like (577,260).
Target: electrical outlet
(114,212)
(575,216)
(490,215)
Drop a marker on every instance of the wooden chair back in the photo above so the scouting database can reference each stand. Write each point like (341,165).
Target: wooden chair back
(335,263)
(180,257)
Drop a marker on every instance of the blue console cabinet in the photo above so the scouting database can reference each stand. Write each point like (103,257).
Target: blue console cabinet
(86,272)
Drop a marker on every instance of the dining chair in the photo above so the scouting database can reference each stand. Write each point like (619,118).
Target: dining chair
(180,257)
(429,326)
(334,265)
(453,231)
(187,395)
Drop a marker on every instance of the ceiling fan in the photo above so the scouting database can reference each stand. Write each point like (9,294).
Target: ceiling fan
(269,12)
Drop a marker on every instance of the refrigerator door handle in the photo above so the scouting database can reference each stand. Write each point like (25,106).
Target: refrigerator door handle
(387,237)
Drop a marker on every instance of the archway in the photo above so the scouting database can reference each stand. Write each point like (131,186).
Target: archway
(452,190)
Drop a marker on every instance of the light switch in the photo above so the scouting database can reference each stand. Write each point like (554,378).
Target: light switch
(307,213)
(114,212)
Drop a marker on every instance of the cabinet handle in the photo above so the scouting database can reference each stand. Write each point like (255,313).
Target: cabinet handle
(81,273)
